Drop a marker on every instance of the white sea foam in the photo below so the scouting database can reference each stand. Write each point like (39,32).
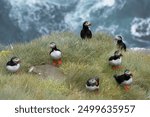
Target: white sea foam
(111,29)
(84,11)
(143,50)
(76,17)
(137,49)
(28,13)
(23,12)
(140,27)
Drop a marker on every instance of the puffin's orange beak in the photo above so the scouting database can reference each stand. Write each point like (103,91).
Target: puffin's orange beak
(19,61)
(89,24)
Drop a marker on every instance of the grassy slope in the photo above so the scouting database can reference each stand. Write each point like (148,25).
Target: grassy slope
(81,60)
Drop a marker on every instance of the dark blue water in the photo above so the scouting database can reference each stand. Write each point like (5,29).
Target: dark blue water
(24,20)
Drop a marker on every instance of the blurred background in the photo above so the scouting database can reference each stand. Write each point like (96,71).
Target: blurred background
(24,20)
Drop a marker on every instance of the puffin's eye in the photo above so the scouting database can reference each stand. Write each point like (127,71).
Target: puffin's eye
(91,80)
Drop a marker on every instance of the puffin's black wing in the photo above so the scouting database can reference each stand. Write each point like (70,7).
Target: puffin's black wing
(127,78)
(85,33)
(82,34)
(89,34)
(119,79)
(10,63)
(123,46)
(90,84)
(57,50)
(114,58)
(111,58)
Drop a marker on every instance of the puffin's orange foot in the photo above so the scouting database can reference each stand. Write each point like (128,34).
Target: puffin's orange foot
(59,62)
(54,62)
(126,87)
(117,67)
(114,67)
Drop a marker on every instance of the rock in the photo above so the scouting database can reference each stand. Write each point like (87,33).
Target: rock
(47,72)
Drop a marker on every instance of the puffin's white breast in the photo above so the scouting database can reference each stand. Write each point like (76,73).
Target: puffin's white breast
(115,62)
(92,88)
(128,82)
(13,68)
(56,55)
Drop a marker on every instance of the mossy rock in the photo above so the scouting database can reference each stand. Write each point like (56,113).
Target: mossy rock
(47,71)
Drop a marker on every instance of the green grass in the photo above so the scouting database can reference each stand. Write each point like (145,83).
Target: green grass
(82,59)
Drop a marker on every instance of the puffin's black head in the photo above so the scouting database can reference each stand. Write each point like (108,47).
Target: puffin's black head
(119,38)
(93,81)
(15,60)
(127,72)
(86,24)
(52,45)
(117,53)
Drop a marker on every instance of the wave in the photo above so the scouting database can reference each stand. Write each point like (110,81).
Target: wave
(140,27)
(43,16)
(29,19)
(93,10)
(143,50)
(110,30)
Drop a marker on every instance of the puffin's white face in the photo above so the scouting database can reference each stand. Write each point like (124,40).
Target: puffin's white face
(16,60)
(118,37)
(127,72)
(92,81)
(52,45)
(87,23)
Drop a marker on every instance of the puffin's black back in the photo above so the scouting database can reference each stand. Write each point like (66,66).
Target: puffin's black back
(115,57)
(121,45)
(85,32)
(121,78)
(11,63)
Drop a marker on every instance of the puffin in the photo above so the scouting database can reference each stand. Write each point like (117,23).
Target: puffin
(86,32)
(115,60)
(13,65)
(92,84)
(55,54)
(121,45)
(125,79)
